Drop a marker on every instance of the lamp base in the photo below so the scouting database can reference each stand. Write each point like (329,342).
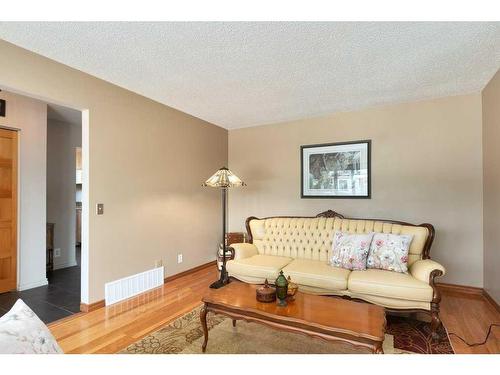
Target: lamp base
(224,279)
(219,283)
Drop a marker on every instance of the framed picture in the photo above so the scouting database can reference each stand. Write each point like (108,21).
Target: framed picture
(336,170)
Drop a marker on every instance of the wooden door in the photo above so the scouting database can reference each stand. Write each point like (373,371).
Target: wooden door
(8,210)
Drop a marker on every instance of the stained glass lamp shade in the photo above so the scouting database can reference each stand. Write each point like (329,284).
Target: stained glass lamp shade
(224,178)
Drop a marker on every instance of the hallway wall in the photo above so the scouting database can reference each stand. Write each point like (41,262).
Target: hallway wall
(29,116)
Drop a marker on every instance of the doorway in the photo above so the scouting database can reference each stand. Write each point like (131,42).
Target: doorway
(64,191)
(56,293)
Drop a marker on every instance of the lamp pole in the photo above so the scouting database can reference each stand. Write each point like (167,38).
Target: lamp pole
(224,276)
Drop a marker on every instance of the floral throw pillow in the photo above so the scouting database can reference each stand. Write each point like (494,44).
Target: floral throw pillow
(390,252)
(22,332)
(350,250)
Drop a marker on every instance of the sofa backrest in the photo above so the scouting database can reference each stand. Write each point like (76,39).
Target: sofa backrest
(311,237)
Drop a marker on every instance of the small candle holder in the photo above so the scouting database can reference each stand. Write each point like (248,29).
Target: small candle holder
(292,289)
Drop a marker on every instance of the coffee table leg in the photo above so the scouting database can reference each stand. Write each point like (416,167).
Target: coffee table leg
(203,318)
(234,322)
(379,349)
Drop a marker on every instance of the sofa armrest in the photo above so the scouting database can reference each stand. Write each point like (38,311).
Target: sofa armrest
(244,250)
(423,270)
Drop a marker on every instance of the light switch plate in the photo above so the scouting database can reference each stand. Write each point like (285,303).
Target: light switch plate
(100,208)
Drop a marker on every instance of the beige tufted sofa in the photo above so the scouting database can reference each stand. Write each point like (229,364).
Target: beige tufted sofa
(301,248)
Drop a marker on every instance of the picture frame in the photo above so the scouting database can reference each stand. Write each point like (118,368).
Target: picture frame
(336,170)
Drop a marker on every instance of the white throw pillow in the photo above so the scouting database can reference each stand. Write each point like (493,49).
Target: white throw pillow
(390,252)
(350,250)
(22,332)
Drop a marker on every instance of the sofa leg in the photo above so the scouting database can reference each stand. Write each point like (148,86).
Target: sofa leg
(435,321)
(436,299)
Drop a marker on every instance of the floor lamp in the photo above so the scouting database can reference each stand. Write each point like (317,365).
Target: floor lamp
(223,179)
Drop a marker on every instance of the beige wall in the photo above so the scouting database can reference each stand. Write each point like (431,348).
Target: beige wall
(62,140)
(491,191)
(147,163)
(426,167)
(30,118)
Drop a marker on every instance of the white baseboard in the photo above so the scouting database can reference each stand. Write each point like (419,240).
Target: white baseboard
(65,265)
(32,285)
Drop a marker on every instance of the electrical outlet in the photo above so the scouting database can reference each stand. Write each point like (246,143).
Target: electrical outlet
(179,258)
(57,253)
(158,263)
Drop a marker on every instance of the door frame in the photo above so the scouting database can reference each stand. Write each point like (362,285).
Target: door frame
(85,248)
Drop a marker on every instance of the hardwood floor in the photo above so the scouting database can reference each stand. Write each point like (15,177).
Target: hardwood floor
(470,316)
(108,330)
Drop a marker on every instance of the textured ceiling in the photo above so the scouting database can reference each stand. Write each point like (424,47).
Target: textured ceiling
(245,74)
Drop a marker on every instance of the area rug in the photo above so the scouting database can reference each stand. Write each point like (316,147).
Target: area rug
(184,335)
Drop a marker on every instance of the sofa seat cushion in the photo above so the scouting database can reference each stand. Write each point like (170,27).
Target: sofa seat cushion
(389,284)
(258,266)
(315,273)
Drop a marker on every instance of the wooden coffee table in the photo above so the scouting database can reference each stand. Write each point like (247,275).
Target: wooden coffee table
(332,319)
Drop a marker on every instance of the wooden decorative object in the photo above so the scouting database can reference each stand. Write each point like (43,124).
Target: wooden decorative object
(235,237)
(316,316)
(232,237)
(266,293)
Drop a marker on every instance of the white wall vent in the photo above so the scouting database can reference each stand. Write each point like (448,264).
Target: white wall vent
(118,290)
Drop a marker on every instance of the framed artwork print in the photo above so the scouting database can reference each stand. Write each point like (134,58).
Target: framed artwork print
(336,170)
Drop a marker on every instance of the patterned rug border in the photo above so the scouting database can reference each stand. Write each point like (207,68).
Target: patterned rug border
(218,319)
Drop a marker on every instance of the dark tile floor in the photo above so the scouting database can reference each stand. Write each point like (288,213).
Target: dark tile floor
(59,299)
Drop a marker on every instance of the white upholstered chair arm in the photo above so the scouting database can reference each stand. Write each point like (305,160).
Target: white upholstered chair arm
(244,250)
(422,269)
